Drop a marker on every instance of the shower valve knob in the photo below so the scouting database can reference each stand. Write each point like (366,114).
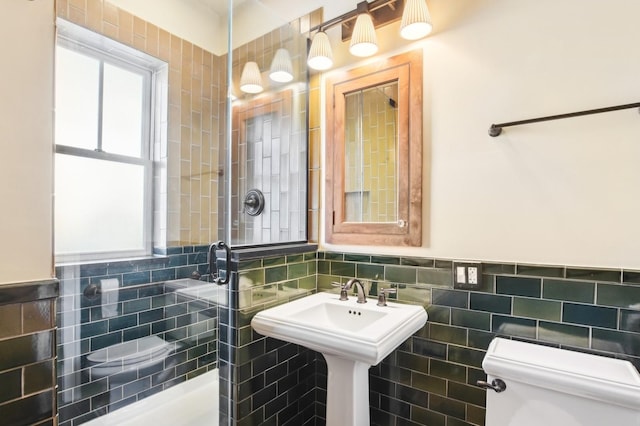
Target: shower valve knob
(253,202)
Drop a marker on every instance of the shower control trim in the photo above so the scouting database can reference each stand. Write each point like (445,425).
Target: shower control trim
(253,202)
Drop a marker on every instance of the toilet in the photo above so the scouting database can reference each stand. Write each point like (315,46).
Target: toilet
(546,386)
(131,356)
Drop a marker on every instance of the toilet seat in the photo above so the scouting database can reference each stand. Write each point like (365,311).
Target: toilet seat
(132,355)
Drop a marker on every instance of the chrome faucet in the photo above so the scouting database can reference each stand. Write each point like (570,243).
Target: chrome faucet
(362,298)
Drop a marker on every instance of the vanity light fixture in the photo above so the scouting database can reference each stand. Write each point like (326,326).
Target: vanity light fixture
(416,23)
(416,20)
(251,80)
(363,40)
(281,68)
(320,53)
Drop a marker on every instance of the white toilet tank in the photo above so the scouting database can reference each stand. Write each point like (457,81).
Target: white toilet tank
(555,387)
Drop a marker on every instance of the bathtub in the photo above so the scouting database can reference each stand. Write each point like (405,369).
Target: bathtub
(191,403)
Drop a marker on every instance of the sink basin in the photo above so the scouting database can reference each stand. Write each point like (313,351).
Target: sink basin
(358,331)
(351,336)
(338,316)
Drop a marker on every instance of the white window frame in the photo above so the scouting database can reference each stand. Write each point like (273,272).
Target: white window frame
(105,50)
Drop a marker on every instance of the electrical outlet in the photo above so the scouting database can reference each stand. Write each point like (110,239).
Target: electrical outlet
(472,274)
(467,275)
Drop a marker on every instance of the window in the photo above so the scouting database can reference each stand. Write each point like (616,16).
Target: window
(103,162)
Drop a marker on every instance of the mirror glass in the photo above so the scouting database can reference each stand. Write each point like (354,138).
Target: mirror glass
(371,148)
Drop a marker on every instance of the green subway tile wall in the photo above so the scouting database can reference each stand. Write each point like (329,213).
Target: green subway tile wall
(147,303)
(273,382)
(430,379)
(27,353)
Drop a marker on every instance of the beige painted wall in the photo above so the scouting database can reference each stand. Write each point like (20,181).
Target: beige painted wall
(557,192)
(561,192)
(26,150)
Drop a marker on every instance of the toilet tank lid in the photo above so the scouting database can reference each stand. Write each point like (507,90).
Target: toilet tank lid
(605,379)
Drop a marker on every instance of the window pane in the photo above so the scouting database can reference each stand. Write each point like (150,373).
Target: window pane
(77,78)
(98,205)
(122,111)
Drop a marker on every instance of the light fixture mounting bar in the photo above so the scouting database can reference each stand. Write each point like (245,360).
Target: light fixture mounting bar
(380,14)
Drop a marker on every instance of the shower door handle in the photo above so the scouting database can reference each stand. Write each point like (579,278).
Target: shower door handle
(227,267)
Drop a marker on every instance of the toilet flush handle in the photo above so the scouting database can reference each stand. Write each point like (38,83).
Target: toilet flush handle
(497,385)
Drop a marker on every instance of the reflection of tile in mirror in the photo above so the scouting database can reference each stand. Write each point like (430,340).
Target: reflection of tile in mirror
(357,206)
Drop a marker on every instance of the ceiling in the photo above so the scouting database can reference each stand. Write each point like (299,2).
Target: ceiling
(285,10)
(219,7)
(205,22)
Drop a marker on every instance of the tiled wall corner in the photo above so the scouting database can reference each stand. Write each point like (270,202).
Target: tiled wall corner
(315,134)
(314,202)
(27,353)
(275,383)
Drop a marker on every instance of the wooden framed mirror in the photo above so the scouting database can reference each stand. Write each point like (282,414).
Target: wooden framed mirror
(374,153)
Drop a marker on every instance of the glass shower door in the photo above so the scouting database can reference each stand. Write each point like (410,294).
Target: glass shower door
(265,146)
(262,199)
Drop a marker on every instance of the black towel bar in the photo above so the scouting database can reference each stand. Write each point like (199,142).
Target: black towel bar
(496,129)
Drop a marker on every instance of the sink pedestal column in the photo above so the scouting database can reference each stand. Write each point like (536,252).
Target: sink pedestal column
(347,392)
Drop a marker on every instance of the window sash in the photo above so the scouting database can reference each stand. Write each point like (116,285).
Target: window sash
(146,73)
(145,158)
(97,222)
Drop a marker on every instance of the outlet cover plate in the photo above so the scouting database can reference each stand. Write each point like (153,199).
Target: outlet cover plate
(467,275)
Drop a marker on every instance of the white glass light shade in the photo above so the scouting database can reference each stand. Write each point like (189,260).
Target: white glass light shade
(320,55)
(251,80)
(281,67)
(363,39)
(416,20)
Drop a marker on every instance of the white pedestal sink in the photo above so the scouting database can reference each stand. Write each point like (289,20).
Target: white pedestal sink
(351,336)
